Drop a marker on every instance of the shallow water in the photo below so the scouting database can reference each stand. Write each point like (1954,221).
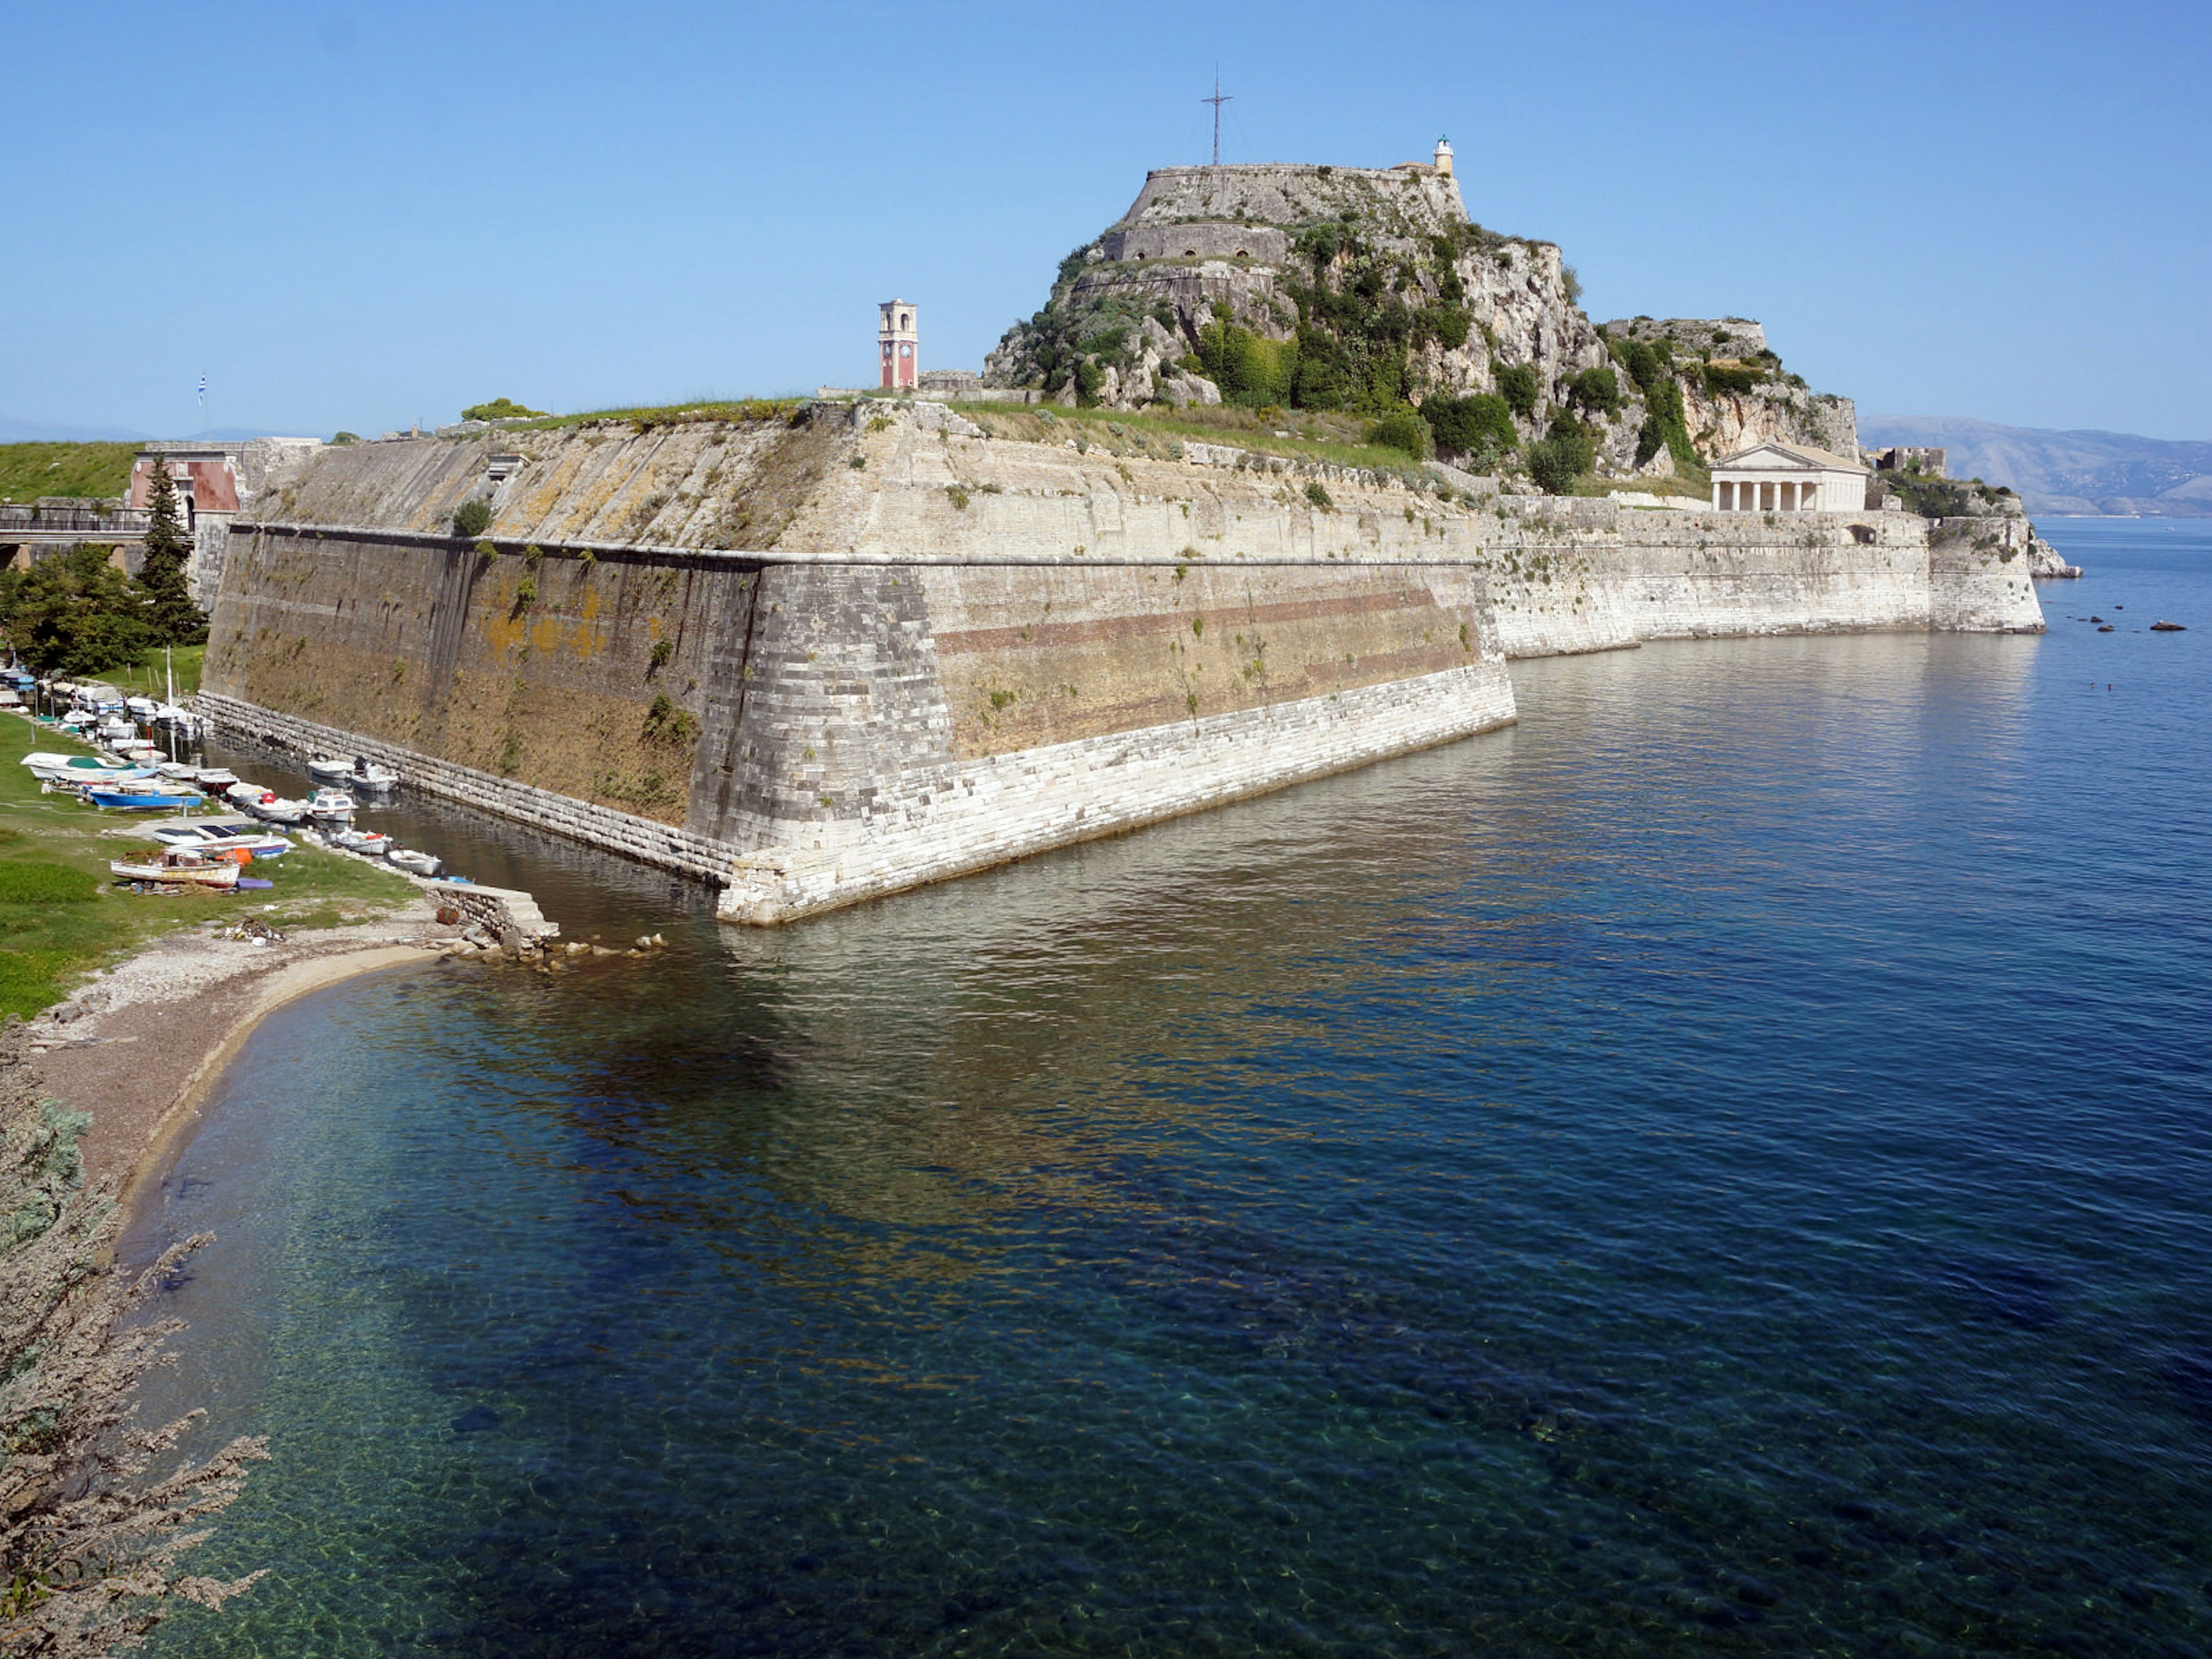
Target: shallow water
(1719,1166)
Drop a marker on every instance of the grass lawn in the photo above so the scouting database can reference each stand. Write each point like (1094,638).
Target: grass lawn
(61,912)
(150,679)
(30,471)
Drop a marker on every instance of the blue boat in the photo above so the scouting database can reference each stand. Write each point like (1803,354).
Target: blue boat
(131,801)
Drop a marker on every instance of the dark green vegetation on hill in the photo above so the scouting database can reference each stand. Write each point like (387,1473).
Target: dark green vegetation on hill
(61,912)
(30,471)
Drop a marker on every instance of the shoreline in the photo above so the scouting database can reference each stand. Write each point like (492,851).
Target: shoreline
(139,1048)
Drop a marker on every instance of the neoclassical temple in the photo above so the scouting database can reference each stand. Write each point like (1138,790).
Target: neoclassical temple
(1779,478)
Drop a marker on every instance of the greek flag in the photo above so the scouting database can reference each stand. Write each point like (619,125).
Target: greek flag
(203,391)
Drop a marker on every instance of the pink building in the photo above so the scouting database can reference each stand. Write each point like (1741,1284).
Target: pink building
(901,347)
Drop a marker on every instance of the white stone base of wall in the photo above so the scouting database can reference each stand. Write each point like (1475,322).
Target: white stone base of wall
(991,811)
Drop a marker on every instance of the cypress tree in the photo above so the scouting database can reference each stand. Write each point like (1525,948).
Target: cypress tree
(175,619)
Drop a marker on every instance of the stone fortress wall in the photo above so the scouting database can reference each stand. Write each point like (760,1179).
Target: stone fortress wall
(827,658)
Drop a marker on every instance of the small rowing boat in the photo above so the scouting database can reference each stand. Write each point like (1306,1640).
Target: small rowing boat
(177,864)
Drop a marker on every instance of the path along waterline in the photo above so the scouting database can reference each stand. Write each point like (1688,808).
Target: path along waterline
(1719,1166)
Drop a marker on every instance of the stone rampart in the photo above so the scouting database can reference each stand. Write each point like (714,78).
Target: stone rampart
(875,647)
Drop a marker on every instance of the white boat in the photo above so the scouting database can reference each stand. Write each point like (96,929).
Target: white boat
(143,708)
(248,795)
(421,864)
(214,836)
(275,809)
(371,843)
(360,772)
(178,770)
(180,865)
(331,806)
(44,762)
(217,777)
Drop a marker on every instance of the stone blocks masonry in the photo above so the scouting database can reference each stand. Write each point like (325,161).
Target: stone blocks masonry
(821,658)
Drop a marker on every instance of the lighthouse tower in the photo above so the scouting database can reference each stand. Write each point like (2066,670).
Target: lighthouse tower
(900,345)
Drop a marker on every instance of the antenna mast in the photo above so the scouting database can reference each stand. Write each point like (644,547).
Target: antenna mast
(1216,100)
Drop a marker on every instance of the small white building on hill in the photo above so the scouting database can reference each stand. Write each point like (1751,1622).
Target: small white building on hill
(1779,477)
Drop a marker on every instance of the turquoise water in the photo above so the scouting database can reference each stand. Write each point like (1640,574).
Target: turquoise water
(1722,1167)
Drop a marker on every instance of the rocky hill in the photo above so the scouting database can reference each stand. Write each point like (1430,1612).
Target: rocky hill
(2092,472)
(1371,291)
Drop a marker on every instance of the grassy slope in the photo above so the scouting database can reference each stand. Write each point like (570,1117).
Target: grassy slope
(30,471)
(1300,433)
(46,947)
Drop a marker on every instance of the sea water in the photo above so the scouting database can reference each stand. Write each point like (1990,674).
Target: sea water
(1722,1166)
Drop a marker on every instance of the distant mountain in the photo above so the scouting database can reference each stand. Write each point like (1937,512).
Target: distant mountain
(13,431)
(2107,472)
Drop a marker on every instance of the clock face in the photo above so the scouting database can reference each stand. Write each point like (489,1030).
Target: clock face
(906,351)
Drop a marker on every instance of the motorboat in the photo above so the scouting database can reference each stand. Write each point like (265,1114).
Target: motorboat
(248,795)
(143,708)
(178,865)
(360,772)
(330,807)
(420,863)
(275,809)
(217,777)
(177,771)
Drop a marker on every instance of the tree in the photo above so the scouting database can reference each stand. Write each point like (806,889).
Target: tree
(174,618)
(98,1510)
(77,613)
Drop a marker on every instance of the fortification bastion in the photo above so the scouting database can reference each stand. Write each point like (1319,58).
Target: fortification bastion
(825,655)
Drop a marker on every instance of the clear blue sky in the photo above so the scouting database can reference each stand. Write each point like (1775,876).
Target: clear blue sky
(352,216)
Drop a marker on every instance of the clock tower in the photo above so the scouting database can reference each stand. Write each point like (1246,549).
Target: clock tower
(899,345)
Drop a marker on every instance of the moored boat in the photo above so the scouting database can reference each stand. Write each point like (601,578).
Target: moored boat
(275,809)
(144,797)
(372,843)
(177,864)
(217,836)
(328,768)
(421,864)
(330,807)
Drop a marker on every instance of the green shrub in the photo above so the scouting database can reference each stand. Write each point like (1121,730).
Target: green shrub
(1319,497)
(1595,389)
(1724,378)
(1404,429)
(46,884)
(1479,427)
(1570,280)
(1250,371)
(500,409)
(1564,454)
(662,651)
(472,517)
(1517,383)
(344,438)
(957,495)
